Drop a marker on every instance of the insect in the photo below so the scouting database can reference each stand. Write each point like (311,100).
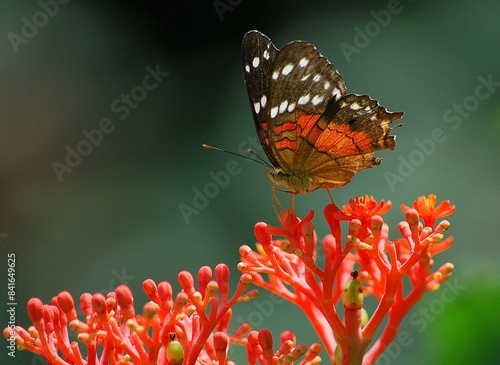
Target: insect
(316,135)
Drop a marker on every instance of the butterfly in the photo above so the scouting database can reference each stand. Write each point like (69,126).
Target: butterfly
(316,135)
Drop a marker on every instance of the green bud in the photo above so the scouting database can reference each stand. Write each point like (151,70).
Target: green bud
(352,296)
(174,351)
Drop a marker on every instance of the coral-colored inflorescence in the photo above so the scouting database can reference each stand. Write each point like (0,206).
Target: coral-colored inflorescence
(288,267)
(192,327)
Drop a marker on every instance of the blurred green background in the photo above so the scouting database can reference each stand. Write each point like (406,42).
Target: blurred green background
(115,217)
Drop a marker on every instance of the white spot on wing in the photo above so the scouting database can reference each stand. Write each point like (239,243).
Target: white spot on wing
(304,99)
(336,93)
(256,107)
(283,106)
(263,101)
(291,107)
(317,77)
(255,62)
(275,75)
(326,86)
(355,106)
(317,99)
(303,62)
(266,54)
(247,68)
(304,78)
(274,112)
(287,69)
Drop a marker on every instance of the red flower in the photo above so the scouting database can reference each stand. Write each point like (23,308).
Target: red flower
(288,267)
(428,211)
(361,208)
(192,326)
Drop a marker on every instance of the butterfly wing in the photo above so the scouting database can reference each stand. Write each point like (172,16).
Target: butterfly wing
(345,137)
(315,134)
(258,54)
(302,84)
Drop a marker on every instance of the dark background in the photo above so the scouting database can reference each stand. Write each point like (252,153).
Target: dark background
(115,218)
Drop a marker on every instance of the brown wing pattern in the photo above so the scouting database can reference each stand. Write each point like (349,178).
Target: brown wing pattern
(314,133)
(302,84)
(345,138)
(259,54)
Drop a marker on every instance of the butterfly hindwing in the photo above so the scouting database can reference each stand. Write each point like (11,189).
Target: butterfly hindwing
(356,126)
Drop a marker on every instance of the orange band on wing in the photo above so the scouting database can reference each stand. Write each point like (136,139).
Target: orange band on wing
(358,142)
(305,123)
(285,143)
(288,126)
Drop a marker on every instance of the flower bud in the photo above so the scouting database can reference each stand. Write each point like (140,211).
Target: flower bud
(187,282)
(204,277)
(221,342)
(247,254)
(298,352)
(99,306)
(354,226)
(151,290)
(242,330)
(126,301)
(35,311)
(222,277)
(65,301)
(86,304)
(266,342)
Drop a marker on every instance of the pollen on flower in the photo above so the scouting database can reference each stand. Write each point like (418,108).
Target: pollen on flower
(429,201)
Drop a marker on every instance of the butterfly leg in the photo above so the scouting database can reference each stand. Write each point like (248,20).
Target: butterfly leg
(330,195)
(279,210)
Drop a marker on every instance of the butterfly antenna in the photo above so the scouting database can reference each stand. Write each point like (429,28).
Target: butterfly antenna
(258,160)
(252,152)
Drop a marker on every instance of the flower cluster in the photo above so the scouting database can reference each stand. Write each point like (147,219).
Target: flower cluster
(376,264)
(192,326)
(188,329)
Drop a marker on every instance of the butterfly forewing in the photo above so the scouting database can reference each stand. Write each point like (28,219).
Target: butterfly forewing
(258,54)
(302,84)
